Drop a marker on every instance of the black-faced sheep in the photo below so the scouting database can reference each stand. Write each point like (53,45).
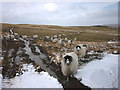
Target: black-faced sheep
(80,50)
(70,42)
(69,65)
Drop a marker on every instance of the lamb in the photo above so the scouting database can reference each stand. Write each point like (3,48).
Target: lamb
(80,50)
(69,65)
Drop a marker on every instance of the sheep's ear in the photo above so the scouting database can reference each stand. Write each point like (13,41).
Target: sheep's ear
(65,57)
(71,58)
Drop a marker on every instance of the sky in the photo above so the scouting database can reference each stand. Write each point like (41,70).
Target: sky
(60,13)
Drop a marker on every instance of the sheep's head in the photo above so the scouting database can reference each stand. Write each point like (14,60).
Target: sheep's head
(78,48)
(67,59)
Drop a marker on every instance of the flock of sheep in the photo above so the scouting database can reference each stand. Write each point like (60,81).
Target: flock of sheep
(69,64)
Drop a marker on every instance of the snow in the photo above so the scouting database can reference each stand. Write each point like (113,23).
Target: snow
(11,31)
(32,79)
(0,81)
(100,73)
(112,42)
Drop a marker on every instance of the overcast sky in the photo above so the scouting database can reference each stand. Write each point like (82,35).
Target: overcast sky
(60,13)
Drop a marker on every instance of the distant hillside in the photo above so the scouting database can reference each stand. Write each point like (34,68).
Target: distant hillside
(112,25)
(82,33)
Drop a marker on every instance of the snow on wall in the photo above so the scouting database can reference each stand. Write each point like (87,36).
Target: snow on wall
(32,79)
(100,73)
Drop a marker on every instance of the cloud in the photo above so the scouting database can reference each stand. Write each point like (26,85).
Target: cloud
(72,13)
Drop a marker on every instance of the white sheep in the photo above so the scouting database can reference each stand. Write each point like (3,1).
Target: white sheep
(70,42)
(80,50)
(46,38)
(16,34)
(65,39)
(35,36)
(24,36)
(75,39)
(69,65)
(55,40)
(55,36)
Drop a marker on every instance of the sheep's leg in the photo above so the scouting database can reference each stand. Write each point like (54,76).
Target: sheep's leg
(67,79)
(71,76)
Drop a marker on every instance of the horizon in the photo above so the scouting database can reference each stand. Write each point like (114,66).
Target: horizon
(58,25)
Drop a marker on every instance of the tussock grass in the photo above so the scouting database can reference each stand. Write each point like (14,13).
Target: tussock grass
(88,33)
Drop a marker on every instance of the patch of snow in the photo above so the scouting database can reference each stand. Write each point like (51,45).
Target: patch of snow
(15,39)
(115,52)
(112,42)
(0,81)
(32,79)
(1,58)
(37,49)
(100,73)
(11,31)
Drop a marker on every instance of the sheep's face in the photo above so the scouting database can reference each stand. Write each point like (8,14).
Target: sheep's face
(78,48)
(68,60)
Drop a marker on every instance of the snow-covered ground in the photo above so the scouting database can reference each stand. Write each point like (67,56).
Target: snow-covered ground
(32,79)
(100,73)
(0,81)
(112,42)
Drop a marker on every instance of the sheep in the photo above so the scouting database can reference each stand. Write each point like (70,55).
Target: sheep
(78,33)
(75,39)
(55,40)
(59,35)
(70,42)
(24,36)
(35,36)
(80,50)
(46,38)
(55,36)
(16,34)
(65,39)
(69,64)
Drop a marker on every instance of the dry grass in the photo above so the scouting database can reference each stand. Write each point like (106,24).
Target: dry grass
(56,54)
(88,33)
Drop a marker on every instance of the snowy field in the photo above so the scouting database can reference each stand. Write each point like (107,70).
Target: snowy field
(32,79)
(100,73)
(95,74)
